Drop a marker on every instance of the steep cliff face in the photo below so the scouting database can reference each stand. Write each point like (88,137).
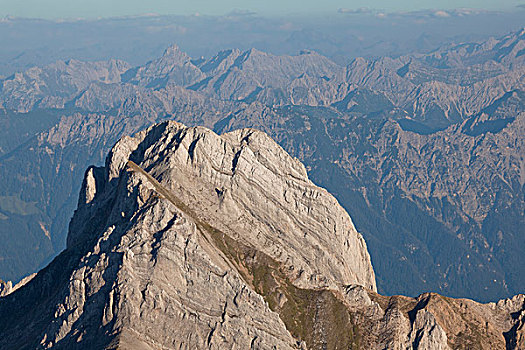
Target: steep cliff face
(178,241)
(187,239)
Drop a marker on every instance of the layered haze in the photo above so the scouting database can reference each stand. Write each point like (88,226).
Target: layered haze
(342,34)
(98,8)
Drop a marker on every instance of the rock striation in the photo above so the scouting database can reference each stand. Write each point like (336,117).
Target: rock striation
(176,241)
(432,321)
(190,240)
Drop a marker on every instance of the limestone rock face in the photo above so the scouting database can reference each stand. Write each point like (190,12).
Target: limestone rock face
(190,240)
(253,191)
(175,243)
(425,151)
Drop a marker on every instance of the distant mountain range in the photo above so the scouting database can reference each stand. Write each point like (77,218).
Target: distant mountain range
(341,36)
(426,151)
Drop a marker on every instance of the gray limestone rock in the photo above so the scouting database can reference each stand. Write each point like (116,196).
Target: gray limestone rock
(190,240)
(144,267)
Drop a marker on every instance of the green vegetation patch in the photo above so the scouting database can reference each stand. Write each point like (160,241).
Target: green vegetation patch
(317,317)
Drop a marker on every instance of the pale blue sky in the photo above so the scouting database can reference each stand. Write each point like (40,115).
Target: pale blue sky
(109,8)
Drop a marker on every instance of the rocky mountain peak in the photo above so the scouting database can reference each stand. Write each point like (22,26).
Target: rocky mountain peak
(189,239)
(226,179)
(175,53)
(174,67)
(182,222)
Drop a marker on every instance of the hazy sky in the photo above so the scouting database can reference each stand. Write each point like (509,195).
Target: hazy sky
(108,8)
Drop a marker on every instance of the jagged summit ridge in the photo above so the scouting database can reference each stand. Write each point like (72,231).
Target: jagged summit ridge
(176,241)
(243,182)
